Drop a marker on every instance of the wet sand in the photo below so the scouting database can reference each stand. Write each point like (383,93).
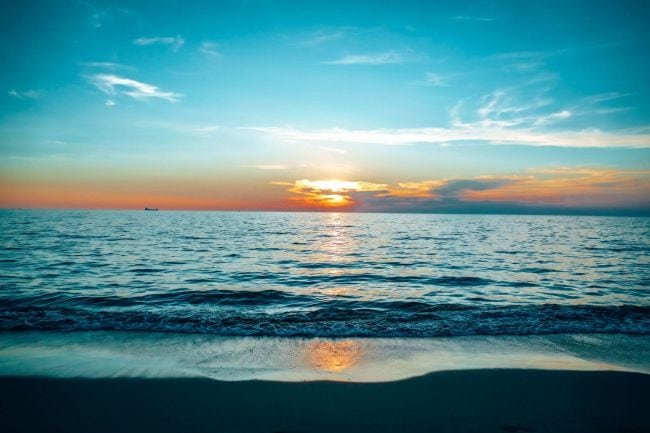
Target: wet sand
(110,354)
(487,400)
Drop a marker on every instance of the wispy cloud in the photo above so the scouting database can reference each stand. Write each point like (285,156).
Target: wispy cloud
(524,61)
(564,114)
(205,130)
(612,110)
(474,132)
(474,18)
(599,104)
(498,103)
(175,42)
(432,79)
(106,65)
(209,49)
(100,15)
(321,37)
(388,57)
(525,55)
(604,97)
(26,94)
(515,116)
(267,166)
(114,85)
(110,103)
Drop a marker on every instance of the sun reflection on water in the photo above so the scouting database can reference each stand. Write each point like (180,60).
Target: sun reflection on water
(334,356)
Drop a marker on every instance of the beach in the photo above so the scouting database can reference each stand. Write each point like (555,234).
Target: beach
(132,382)
(264,216)
(484,400)
(276,322)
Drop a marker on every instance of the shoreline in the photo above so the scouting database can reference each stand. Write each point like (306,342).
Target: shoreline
(483,400)
(108,381)
(105,354)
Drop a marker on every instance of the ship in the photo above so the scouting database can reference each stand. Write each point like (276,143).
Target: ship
(151,208)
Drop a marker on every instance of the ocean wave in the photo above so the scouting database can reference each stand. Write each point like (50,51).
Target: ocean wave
(408,319)
(154,299)
(323,275)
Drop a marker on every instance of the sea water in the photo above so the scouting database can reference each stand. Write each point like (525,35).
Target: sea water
(323,274)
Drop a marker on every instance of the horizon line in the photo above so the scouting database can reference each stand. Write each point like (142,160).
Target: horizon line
(550,212)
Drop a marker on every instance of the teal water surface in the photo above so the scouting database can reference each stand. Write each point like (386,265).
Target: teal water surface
(323,274)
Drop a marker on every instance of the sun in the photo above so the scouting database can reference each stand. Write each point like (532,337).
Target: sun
(334,199)
(331,193)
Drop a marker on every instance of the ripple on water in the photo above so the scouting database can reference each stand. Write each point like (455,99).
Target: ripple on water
(322,274)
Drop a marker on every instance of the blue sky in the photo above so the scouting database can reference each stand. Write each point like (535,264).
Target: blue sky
(220,105)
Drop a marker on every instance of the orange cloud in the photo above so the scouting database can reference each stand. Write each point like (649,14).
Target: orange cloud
(559,188)
(580,187)
(329,193)
(572,186)
(423,189)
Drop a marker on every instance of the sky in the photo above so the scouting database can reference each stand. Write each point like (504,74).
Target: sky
(404,106)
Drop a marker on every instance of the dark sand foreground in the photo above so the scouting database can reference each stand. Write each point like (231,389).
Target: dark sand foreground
(451,401)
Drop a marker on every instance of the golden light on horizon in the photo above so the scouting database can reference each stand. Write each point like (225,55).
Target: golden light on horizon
(334,356)
(329,185)
(335,199)
(329,193)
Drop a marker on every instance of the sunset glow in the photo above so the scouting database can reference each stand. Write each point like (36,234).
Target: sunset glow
(294,216)
(326,107)
(334,356)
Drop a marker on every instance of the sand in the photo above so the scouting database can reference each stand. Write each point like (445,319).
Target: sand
(485,400)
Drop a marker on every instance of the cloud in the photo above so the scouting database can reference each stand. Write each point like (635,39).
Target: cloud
(328,193)
(612,110)
(564,114)
(388,57)
(175,42)
(474,18)
(106,65)
(267,166)
(26,94)
(99,17)
(433,80)
(499,118)
(205,130)
(604,97)
(524,61)
(525,55)
(114,85)
(321,37)
(454,188)
(600,103)
(499,103)
(571,186)
(102,15)
(210,49)
(564,188)
(110,103)
(490,132)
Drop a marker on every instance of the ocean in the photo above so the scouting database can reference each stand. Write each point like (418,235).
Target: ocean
(323,274)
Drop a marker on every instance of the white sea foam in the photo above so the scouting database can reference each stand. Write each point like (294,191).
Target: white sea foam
(132,354)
